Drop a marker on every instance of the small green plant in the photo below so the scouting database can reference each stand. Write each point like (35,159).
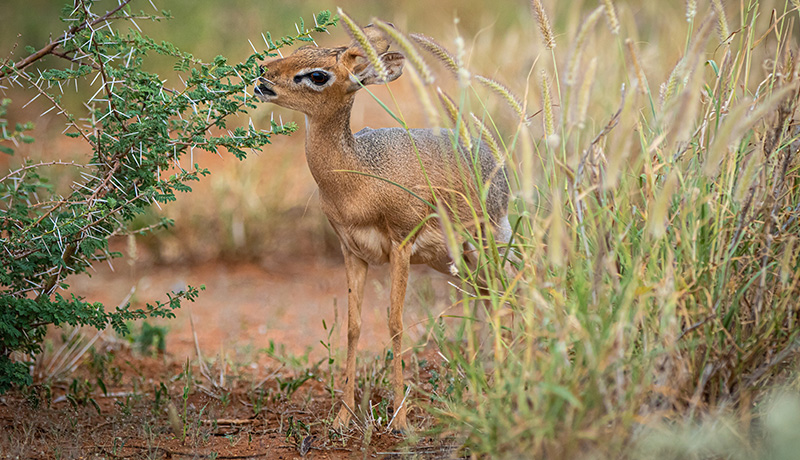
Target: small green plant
(81,393)
(187,390)
(296,431)
(290,386)
(151,339)
(258,398)
(160,395)
(329,350)
(101,365)
(137,131)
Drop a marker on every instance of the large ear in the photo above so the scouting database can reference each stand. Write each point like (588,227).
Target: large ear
(363,73)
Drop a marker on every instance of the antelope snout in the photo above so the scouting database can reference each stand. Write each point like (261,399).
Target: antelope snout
(264,90)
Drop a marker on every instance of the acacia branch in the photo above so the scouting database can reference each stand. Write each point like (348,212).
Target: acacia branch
(50,47)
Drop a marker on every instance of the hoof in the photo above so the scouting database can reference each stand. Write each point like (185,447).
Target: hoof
(400,429)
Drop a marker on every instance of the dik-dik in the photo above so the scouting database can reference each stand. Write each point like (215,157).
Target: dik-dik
(376,186)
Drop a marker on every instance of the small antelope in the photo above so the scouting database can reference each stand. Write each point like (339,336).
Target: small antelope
(372,184)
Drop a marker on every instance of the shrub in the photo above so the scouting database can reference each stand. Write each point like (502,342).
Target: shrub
(139,131)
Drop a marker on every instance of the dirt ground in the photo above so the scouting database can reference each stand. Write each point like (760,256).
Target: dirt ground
(263,388)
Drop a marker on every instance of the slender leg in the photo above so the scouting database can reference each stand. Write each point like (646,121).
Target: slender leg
(356,274)
(399,260)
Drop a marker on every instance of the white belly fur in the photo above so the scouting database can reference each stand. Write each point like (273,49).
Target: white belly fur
(368,243)
(374,246)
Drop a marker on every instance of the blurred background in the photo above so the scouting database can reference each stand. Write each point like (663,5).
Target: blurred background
(252,231)
(266,206)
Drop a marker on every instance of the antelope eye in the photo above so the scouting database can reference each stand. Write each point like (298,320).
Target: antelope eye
(318,78)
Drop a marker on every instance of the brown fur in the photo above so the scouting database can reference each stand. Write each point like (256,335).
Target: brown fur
(373,216)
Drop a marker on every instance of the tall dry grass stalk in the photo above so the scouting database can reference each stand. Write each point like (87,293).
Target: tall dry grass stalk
(574,63)
(641,80)
(585,93)
(647,246)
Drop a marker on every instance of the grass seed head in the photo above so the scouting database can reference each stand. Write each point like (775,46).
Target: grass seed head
(510,98)
(633,58)
(363,42)
(544,24)
(438,51)
(584,94)
(485,135)
(722,21)
(452,111)
(691,10)
(409,50)
(547,106)
(611,17)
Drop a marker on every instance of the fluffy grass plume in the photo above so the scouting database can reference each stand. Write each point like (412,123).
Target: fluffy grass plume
(438,51)
(722,20)
(611,16)
(451,109)
(641,80)
(543,22)
(363,42)
(412,55)
(585,92)
(547,107)
(485,135)
(691,10)
(509,97)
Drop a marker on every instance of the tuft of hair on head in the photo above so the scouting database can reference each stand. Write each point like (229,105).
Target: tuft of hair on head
(410,52)
(361,39)
(544,24)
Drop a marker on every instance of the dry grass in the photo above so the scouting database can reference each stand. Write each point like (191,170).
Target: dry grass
(657,228)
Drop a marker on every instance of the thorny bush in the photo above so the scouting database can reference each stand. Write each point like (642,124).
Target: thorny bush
(138,131)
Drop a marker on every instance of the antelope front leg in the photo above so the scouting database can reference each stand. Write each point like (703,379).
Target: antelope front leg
(399,260)
(356,274)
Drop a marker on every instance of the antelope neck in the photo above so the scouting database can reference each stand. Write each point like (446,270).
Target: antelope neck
(330,144)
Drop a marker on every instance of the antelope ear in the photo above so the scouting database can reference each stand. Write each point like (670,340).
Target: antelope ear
(364,73)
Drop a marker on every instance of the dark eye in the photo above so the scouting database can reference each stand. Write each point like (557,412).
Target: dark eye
(318,77)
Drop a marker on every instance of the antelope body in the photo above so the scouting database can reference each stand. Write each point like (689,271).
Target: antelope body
(375,186)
